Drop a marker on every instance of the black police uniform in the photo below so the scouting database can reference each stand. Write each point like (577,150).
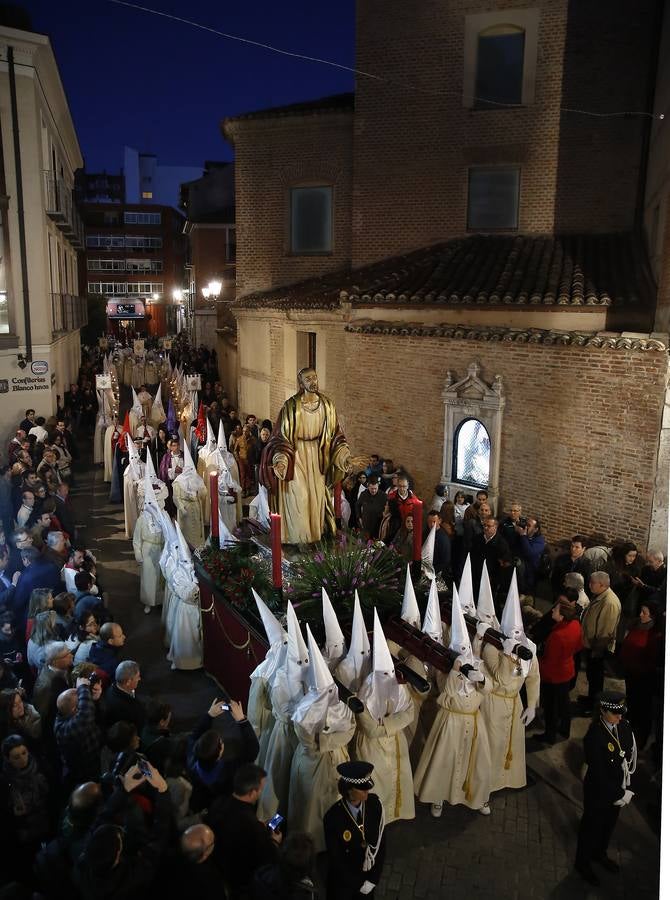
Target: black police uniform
(346,842)
(602,788)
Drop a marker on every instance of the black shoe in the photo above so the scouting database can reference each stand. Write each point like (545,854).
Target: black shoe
(609,865)
(584,710)
(564,729)
(545,738)
(584,700)
(588,874)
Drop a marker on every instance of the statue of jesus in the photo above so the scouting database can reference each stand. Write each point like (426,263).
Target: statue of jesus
(306,455)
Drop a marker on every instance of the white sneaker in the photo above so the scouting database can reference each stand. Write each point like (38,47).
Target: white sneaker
(147,610)
(485,810)
(436,810)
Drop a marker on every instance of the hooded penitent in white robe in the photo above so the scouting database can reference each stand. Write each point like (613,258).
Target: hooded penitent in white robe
(380,737)
(426,704)
(102,422)
(189,493)
(502,709)
(259,508)
(233,470)
(259,707)
(185,651)
(148,539)
(335,648)
(145,399)
(157,412)
(133,474)
(169,559)
(288,688)
(455,763)
(135,412)
(356,665)
(324,726)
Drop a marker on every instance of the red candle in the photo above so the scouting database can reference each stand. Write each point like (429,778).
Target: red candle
(337,491)
(275,539)
(214,502)
(417,517)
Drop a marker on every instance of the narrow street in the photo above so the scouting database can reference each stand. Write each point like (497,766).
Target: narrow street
(523,850)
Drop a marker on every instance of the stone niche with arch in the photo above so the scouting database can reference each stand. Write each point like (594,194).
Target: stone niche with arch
(473,412)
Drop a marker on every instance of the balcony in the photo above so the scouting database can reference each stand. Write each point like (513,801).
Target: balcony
(68,312)
(61,209)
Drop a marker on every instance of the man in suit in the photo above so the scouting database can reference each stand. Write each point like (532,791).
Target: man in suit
(37,573)
(354,830)
(490,546)
(6,583)
(51,682)
(64,512)
(120,703)
(243,844)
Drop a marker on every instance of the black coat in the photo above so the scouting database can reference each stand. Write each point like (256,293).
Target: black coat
(604,776)
(118,706)
(346,853)
(218,782)
(369,512)
(243,844)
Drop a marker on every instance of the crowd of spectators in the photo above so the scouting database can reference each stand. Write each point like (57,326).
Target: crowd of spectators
(98,796)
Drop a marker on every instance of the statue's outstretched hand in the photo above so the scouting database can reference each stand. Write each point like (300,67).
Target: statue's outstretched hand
(280,465)
(358,462)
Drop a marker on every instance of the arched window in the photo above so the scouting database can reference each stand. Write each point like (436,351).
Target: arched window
(500,54)
(472,454)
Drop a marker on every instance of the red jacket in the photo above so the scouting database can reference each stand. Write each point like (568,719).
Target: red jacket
(405,506)
(556,663)
(639,651)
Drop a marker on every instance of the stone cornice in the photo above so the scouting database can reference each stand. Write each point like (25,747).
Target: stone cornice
(604,340)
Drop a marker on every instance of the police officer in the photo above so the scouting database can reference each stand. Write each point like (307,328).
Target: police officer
(354,830)
(611,756)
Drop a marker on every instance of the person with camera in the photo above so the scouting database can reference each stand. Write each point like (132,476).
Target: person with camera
(211,774)
(113,865)
(77,734)
(244,844)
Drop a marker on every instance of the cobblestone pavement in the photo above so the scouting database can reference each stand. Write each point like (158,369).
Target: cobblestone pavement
(524,849)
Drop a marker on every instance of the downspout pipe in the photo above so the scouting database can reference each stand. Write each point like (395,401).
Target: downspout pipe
(19,204)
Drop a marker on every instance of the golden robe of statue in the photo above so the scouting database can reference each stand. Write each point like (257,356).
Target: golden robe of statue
(306,455)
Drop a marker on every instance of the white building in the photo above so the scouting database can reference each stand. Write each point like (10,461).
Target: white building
(41,310)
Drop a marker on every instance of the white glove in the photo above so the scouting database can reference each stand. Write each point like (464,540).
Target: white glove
(367,887)
(625,800)
(528,715)
(482,628)
(475,675)
(508,645)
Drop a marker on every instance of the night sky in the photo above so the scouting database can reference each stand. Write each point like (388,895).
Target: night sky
(163,87)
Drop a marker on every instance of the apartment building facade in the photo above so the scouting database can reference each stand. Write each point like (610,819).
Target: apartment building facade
(135,252)
(41,306)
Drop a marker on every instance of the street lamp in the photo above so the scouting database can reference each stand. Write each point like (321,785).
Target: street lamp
(212,290)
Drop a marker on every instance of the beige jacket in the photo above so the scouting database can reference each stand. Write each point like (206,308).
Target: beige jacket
(600,622)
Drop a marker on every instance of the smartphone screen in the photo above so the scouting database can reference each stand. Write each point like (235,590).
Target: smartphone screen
(275,822)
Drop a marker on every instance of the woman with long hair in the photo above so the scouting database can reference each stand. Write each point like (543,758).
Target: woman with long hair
(19,717)
(44,633)
(85,632)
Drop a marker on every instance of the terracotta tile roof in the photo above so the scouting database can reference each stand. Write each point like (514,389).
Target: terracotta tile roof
(488,270)
(332,103)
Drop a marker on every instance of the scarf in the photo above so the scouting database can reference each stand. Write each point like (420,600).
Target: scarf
(28,788)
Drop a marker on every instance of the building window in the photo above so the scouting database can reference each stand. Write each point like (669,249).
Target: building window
(311,220)
(306,349)
(147,195)
(499,80)
(106,265)
(137,218)
(111,218)
(104,241)
(493,198)
(472,454)
(144,243)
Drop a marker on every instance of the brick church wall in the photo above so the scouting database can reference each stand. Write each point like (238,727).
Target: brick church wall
(413,145)
(580,426)
(272,155)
